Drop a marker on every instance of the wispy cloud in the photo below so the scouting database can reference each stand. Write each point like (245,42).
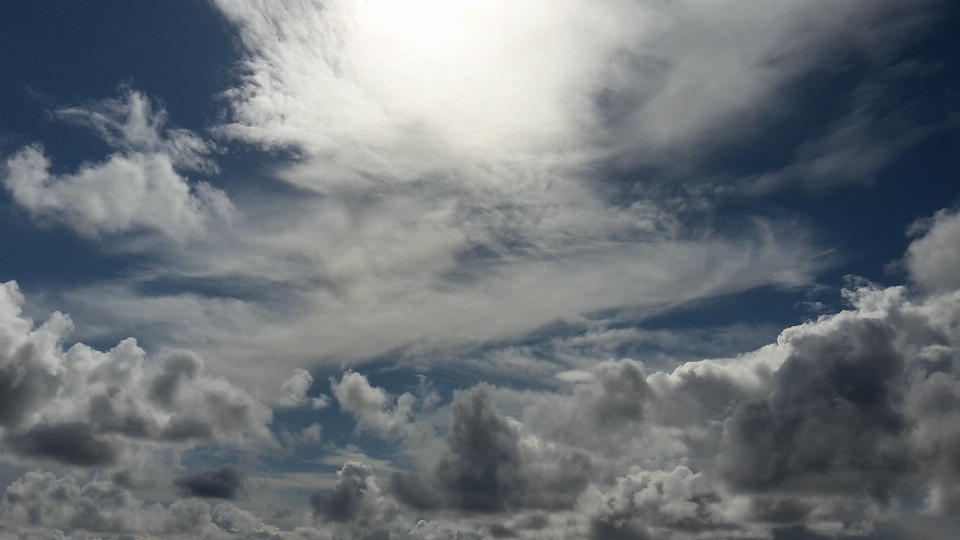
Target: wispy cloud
(137,189)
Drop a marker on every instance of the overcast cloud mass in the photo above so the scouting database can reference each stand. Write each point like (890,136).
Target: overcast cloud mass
(479,269)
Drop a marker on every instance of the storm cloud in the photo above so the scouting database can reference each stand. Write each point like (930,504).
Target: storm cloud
(222,483)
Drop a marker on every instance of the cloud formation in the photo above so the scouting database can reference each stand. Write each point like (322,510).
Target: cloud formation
(829,432)
(38,504)
(138,188)
(934,257)
(222,483)
(399,90)
(442,192)
(85,407)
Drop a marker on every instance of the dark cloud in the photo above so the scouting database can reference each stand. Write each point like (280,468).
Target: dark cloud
(342,503)
(620,393)
(177,367)
(482,469)
(833,420)
(780,509)
(81,406)
(413,490)
(222,483)
(23,383)
(797,532)
(614,527)
(71,443)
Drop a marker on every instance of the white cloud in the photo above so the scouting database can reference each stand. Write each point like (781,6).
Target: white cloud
(369,405)
(934,259)
(294,391)
(453,151)
(400,89)
(136,189)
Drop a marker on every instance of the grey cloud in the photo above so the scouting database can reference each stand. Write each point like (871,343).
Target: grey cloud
(293,391)
(650,504)
(611,401)
(23,384)
(176,367)
(72,443)
(43,505)
(484,469)
(413,490)
(88,408)
(621,392)
(833,419)
(222,483)
(780,509)
(356,505)
(343,502)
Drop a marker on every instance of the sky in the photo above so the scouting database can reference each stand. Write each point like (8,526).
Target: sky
(479,269)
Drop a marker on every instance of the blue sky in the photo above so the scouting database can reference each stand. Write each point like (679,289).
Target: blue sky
(421,269)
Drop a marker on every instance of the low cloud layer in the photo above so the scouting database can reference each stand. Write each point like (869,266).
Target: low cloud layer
(828,433)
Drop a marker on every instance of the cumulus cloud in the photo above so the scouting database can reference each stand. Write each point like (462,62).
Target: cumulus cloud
(85,407)
(356,502)
(369,405)
(459,179)
(827,433)
(487,466)
(293,392)
(138,188)
(646,504)
(41,505)
(934,257)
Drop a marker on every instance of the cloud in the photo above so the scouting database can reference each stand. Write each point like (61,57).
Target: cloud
(487,467)
(41,505)
(465,201)
(824,433)
(222,483)
(400,90)
(368,404)
(88,408)
(827,433)
(356,503)
(934,257)
(832,418)
(136,189)
(293,393)
(482,467)
(641,505)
